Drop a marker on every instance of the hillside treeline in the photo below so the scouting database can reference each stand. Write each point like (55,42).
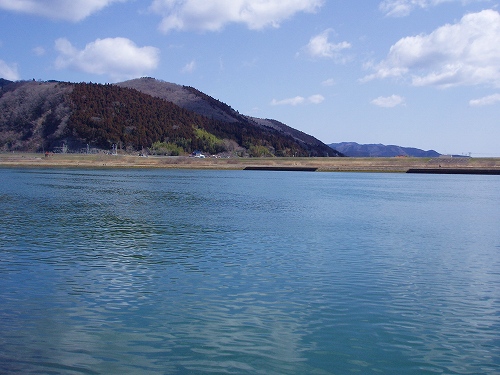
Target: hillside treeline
(33,115)
(107,114)
(44,116)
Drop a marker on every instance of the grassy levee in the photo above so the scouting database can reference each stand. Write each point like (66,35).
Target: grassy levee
(398,165)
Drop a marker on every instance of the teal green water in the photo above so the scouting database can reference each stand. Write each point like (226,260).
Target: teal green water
(248,272)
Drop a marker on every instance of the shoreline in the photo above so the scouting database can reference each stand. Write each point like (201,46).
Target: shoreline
(332,164)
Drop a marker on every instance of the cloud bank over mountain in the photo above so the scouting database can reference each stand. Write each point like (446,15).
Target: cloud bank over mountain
(119,58)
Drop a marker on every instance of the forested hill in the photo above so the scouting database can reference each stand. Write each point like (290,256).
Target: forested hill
(194,100)
(36,116)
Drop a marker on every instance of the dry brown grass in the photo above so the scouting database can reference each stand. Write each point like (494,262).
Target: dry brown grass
(322,164)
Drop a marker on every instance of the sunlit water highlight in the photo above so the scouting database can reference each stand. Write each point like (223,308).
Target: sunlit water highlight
(239,272)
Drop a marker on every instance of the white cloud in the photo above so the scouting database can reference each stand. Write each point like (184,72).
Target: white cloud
(402,8)
(487,100)
(319,46)
(8,71)
(313,99)
(290,101)
(39,51)
(213,15)
(316,99)
(328,82)
(74,10)
(465,53)
(388,101)
(189,67)
(119,58)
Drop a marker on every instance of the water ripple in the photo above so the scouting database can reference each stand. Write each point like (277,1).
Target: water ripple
(117,272)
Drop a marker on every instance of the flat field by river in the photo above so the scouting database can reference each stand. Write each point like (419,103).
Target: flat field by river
(397,164)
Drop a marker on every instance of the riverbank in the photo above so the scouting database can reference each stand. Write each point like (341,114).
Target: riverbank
(397,165)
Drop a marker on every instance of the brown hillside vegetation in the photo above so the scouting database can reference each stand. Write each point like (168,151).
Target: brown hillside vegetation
(194,100)
(108,114)
(33,115)
(55,116)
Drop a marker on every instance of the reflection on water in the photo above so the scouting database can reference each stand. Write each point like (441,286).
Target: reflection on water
(117,272)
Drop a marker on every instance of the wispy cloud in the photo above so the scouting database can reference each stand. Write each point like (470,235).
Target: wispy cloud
(74,10)
(39,51)
(388,101)
(320,47)
(465,53)
(213,15)
(316,99)
(118,58)
(402,8)
(328,82)
(189,67)
(487,100)
(9,71)
(298,100)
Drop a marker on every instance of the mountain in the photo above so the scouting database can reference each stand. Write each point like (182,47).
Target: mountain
(194,100)
(353,149)
(33,115)
(143,114)
(4,82)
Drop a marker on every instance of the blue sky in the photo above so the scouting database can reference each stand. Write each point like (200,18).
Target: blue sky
(418,73)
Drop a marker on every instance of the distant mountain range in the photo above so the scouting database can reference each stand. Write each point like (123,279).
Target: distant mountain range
(139,115)
(354,149)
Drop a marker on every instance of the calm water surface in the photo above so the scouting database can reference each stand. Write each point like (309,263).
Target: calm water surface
(239,272)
